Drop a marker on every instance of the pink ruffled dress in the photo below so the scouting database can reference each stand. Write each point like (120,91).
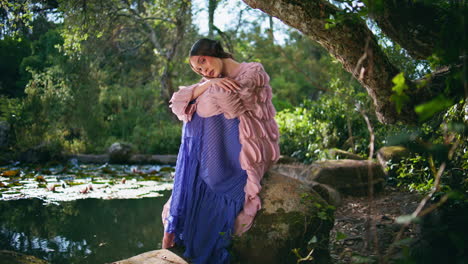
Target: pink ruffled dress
(253,113)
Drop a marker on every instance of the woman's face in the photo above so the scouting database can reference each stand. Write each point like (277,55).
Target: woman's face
(207,66)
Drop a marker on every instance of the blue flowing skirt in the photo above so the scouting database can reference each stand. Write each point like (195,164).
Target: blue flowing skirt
(208,191)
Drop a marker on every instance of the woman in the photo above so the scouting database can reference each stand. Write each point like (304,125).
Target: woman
(229,140)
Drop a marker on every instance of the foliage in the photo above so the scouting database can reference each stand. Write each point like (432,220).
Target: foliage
(414,174)
(306,132)
(292,78)
(15,17)
(431,147)
(10,108)
(12,52)
(85,98)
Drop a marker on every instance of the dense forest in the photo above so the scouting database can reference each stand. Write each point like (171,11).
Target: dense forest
(79,75)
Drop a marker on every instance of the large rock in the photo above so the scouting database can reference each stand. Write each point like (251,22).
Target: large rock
(336,153)
(120,152)
(161,256)
(328,193)
(347,176)
(283,159)
(393,154)
(293,217)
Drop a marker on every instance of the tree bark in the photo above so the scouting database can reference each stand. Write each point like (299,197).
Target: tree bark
(212,4)
(350,42)
(270,30)
(167,88)
(414,25)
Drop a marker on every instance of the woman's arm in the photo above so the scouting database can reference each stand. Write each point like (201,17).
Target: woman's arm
(227,84)
(252,95)
(181,101)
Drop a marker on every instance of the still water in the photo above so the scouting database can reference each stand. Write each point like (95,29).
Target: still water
(82,231)
(82,213)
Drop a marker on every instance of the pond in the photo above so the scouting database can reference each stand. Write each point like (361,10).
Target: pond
(83,213)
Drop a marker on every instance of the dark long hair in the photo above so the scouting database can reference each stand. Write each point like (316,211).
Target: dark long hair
(208,47)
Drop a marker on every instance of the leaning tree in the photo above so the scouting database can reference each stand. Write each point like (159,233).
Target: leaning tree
(431,30)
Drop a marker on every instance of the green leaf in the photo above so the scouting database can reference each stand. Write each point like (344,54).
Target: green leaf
(312,240)
(400,84)
(340,236)
(399,97)
(428,109)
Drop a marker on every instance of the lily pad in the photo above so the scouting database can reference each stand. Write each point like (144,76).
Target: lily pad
(10,173)
(72,183)
(40,178)
(168,169)
(15,183)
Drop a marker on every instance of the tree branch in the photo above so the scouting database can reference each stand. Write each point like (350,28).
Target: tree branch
(351,42)
(346,42)
(415,25)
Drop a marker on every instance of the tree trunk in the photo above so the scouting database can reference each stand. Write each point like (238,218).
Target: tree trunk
(270,30)
(167,89)
(350,42)
(212,4)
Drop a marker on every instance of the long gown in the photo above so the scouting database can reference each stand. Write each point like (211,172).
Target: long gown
(208,190)
(229,140)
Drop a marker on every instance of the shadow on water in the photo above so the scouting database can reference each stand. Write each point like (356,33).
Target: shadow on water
(82,231)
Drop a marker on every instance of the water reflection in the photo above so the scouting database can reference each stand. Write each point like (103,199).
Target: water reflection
(82,231)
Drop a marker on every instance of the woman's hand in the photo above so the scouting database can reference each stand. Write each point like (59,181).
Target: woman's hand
(168,240)
(227,84)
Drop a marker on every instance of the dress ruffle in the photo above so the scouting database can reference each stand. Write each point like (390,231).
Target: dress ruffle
(258,131)
(180,103)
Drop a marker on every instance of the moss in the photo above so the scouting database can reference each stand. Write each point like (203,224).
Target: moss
(259,242)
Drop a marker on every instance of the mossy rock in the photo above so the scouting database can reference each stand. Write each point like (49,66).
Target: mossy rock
(11,257)
(347,176)
(283,159)
(336,153)
(120,153)
(395,153)
(160,256)
(293,217)
(329,194)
